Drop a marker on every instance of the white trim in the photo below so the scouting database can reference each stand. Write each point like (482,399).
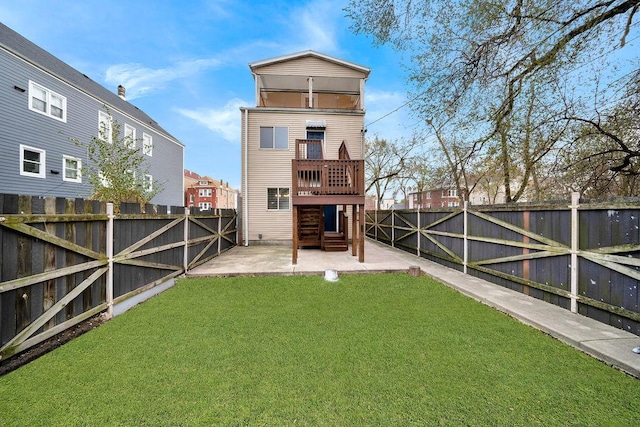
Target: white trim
(48,93)
(148,182)
(78,169)
(129,136)
(104,120)
(147,144)
(310,53)
(42,161)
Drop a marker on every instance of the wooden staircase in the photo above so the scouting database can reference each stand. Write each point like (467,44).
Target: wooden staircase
(309,226)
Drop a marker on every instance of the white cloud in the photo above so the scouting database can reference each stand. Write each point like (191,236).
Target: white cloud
(224,121)
(313,26)
(140,80)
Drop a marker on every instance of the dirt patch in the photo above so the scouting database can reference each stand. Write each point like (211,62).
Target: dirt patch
(20,359)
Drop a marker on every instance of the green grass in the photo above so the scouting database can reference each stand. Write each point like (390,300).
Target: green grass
(367,350)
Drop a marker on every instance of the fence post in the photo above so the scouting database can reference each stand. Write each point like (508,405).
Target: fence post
(109,250)
(393,228)
(465,244)
(219,230)
(419,234)
(375,228)
(575,232)
(185,260)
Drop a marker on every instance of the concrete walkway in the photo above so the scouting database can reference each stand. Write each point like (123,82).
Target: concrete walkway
(606,343)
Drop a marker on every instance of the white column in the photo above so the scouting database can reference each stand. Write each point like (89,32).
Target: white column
(310,79)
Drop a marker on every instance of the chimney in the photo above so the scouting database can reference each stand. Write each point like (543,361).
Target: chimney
(121,92)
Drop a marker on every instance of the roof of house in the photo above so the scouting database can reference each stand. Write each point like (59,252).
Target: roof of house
(309,53)
(33,54)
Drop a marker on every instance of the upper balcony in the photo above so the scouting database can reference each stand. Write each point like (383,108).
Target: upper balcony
(286,91)
(317,180)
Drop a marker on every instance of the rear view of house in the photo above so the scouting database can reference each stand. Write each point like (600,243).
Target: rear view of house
(302,153)
(45,102)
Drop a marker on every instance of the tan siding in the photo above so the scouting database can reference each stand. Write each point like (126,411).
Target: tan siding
(272,168)
(310,66)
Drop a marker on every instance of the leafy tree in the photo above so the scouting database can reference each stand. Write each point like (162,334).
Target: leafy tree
(384,163)
(116,169)
(502,68)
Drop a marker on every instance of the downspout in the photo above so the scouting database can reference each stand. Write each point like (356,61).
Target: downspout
(245,189)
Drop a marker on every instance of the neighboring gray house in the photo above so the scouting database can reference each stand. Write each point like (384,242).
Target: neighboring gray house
(44,102)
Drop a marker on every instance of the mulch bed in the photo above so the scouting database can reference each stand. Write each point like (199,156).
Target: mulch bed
(20,359)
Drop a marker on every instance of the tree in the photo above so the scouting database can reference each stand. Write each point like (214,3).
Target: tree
(503,66)
(116,171)
(384,162)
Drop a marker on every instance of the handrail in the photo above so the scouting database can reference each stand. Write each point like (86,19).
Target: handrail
(327,177)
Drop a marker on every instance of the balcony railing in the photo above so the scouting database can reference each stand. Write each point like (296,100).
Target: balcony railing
(321,177)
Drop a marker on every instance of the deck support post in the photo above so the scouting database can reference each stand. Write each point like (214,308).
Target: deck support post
(294,249)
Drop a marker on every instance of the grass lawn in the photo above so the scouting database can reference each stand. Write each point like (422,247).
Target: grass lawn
(384,349)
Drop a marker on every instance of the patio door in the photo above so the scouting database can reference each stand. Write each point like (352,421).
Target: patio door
(315,151)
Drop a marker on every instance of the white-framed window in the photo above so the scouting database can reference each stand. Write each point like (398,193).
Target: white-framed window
(453,204)
(129,136)
(278,199)
(274,137)
(32,161)
(449,193)
(204,205)
(47,102)
(204,192)
(203,182)
(148,183)
(147,144)
(428,194)
(71,169)
(105,129)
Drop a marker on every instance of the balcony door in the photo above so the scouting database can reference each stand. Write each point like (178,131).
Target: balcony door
(314,151)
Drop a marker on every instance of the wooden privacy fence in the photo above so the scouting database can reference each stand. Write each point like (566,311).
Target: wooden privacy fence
(582,257)
(65,260)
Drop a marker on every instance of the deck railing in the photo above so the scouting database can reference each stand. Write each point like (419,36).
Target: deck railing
(328,177)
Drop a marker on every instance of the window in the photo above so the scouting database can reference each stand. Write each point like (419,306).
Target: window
(148,183)
(204,205)
(147,144)
(205,192)
(428,194)
(129,136)
(278,198)
(453,204)
(449,193)
(47,102)
(103,180)
(104,127)
(71,169)
(32,161)
(274,137)
(203,182)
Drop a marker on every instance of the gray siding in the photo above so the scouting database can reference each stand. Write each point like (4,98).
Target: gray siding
(20,125)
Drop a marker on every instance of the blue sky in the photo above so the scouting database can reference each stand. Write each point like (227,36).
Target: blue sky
(185,62)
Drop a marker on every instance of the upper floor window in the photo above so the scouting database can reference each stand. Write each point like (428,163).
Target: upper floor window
(105,130)
(129,136)
(274,137)
(205,192)
(148,183)
(47,102)
(449,193)
(71,167)
(32,161)
(203,182)
(147,144)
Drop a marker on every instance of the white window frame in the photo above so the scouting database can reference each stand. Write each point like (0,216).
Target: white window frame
(278,198)
(49,94)
(78,169)
(203,182)
(205,206)
(147,144)
(148,183)
(129,136)
(42,161)
(274,138)
(204,192)
(105,120)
